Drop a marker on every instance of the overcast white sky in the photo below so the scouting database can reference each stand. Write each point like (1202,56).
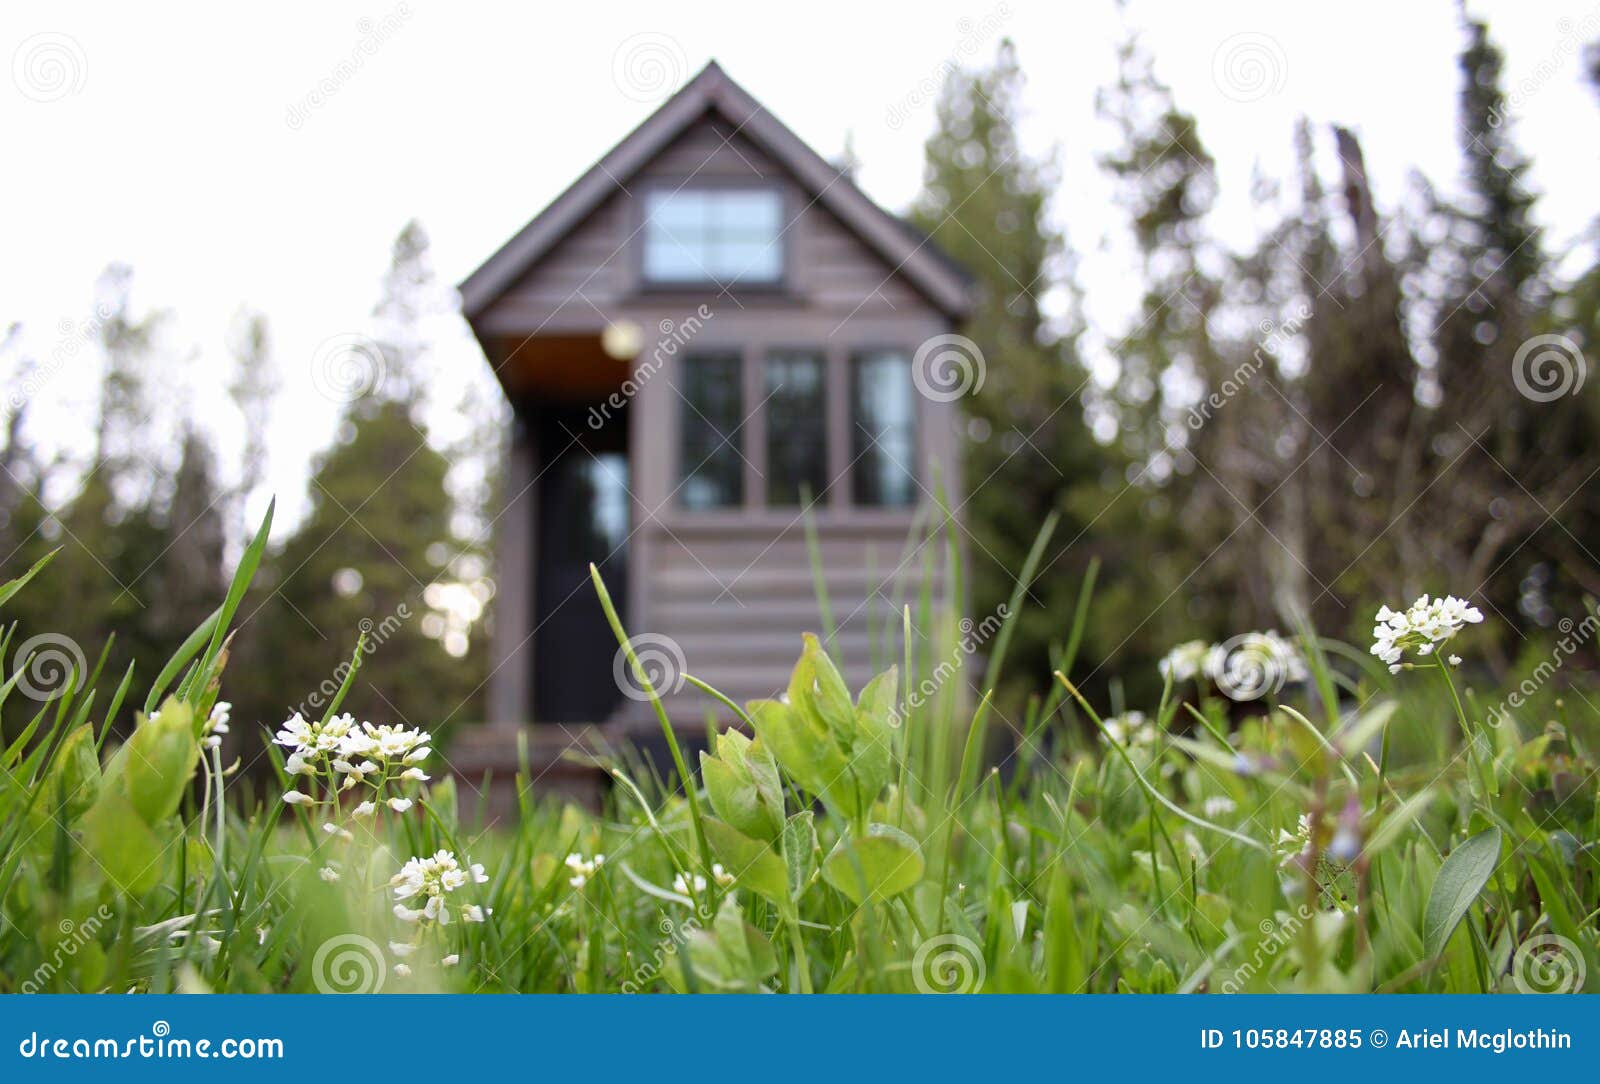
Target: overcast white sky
(184,139)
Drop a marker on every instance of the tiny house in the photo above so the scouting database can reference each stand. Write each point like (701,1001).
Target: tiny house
(709,328)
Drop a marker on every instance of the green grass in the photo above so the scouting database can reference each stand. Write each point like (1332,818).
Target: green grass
(1356,831)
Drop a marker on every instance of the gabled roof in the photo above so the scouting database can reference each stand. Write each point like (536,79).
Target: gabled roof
(911,254)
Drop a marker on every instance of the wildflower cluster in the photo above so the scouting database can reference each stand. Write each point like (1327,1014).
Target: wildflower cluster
(216,725)
(583,868)
(1129,729)
(681,884)
(1429,623)
(1244,667)
(431,882)
(346,754)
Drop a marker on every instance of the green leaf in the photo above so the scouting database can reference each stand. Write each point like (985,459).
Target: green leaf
(807,752)
(13,586)
(122,844)
(883,863)
(800,852)
(753,864)
(1460,879)
(156,765)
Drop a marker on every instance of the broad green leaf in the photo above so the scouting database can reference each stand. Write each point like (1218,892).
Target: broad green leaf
(807,752)
(122,844)
(74,776)
(155,766)
(1460,879)
(800,852)
(880,864)
(753,864)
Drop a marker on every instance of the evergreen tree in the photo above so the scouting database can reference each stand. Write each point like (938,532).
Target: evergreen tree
(1029,451)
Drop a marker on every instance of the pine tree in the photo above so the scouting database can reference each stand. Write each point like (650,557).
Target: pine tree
(1029,451)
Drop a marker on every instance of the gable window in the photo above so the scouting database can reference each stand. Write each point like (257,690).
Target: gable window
(712,415)
(883,414)
(720,235)
(797,451)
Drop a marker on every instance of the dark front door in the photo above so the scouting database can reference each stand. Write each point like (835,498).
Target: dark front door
(583,516)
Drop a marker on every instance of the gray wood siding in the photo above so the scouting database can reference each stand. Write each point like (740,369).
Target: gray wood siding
(737,603)
(733,588)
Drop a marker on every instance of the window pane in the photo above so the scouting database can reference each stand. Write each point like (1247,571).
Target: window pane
(797,451)
(712,414)
(883,408)
(711,235)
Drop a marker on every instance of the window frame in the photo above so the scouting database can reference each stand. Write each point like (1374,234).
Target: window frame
(645,284)
(852,361)
(738,442)
(837,502)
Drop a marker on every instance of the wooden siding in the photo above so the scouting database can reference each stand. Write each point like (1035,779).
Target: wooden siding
(733,588)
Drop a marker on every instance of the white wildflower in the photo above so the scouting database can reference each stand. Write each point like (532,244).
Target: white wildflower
(450,960)
(402,970)
(299,797)
(1129,729)
(328,873)
(1184,662)
(1218,805)
(680,884)
(365,809)
(1429,623)
(400,805)
(401,949)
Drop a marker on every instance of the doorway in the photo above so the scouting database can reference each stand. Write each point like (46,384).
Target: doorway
(582,515)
